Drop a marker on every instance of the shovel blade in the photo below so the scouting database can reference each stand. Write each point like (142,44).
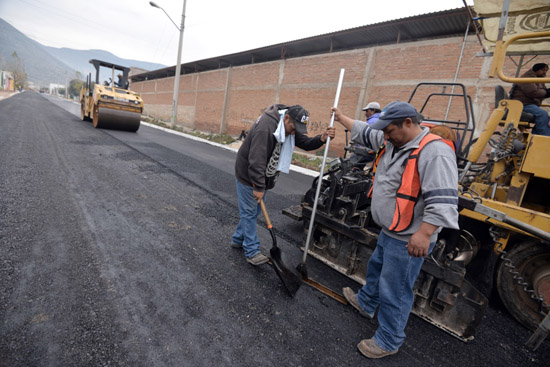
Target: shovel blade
(290,279)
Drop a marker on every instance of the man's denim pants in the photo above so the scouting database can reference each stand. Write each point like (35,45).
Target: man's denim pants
(541,119)
(391,273)
(249,209)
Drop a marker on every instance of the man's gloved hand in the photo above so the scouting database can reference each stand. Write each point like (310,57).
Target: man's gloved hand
(547,93)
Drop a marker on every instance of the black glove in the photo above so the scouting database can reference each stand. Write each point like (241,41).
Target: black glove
(547,93)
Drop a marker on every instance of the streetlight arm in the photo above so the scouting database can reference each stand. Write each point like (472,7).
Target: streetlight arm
(154,5)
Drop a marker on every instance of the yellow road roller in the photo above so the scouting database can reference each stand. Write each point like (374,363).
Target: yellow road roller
(110,105)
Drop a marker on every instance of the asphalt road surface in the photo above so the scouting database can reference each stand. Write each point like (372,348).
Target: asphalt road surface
(114,251)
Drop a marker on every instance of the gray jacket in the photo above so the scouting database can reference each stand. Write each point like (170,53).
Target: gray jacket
(438,203)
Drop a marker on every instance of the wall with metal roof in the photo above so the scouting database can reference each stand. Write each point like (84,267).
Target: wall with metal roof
(426,26)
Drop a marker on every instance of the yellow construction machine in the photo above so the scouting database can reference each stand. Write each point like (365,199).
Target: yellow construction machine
(503,245)
(510,186)
(110,105)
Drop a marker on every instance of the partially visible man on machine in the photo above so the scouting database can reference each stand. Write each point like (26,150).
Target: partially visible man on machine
(531,95)
(266,151)
(362,155)
(414,195)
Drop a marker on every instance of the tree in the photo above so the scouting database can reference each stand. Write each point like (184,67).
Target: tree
(75,85)
(17,68)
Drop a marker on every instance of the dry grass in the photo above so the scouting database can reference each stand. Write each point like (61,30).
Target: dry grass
(298,159)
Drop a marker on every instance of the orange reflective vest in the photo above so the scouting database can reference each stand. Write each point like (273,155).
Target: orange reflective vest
(409,189)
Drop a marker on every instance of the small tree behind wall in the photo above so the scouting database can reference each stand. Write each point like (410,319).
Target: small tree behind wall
(17,68)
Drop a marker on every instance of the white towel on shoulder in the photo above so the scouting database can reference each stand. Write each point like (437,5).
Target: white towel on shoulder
(288,144)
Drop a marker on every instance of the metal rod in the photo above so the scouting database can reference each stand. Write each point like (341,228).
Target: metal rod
(475,25)
(457,70)
(518,70)
(312,219)
(503,19)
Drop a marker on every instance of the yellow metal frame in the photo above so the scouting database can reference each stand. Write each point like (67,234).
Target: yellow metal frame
(508,198)
(532,217)
(514,114)
(500,54)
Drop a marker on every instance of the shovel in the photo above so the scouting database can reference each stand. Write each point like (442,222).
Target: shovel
(290,279)
(302,269)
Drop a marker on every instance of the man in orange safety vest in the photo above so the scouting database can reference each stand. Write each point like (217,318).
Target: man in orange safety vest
(414,195)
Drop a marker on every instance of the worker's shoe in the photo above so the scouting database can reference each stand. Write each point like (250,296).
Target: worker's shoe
(258,259)
(370,349)
(236,245)
(352,299)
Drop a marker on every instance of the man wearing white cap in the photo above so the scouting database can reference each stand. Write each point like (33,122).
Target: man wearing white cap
(363,155)
(372,112)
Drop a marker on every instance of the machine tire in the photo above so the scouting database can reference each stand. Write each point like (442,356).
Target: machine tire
(95,119)
(83,114)
(532,261)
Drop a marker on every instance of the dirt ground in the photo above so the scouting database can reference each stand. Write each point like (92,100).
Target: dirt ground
(6,94)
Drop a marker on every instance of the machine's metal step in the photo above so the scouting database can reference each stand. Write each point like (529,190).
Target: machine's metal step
(294,212)
(540,334)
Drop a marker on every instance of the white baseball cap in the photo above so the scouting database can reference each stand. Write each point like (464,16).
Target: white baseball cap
(372,105)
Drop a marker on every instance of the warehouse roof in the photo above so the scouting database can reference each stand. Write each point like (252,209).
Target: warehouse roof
(426,26)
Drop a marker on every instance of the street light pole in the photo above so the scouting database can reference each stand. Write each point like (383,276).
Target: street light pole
(178,65)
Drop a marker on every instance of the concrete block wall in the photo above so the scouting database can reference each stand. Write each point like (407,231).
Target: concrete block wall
(229,100)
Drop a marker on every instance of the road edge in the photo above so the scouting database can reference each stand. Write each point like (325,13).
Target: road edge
(293,167)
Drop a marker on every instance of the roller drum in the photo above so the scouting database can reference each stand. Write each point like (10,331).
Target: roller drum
(109,118)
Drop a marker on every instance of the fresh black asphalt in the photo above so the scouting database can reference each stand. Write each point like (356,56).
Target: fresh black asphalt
(115,251)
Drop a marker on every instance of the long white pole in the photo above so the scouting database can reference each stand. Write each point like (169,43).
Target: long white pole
(321,174)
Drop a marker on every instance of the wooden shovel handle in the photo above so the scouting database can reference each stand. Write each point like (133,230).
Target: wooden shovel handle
(264,211)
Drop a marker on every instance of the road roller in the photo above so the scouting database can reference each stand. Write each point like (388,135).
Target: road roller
(110,105)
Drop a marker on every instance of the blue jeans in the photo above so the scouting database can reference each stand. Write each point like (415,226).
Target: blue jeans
(391,273)
(249,209)
(541,119)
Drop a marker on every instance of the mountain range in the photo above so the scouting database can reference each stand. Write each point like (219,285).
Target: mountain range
(45,65)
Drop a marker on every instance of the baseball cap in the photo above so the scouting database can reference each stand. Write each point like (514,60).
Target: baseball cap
(394,111)
(300,117)
(372,105)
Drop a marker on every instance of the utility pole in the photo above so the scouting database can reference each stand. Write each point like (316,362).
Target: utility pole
(178,65)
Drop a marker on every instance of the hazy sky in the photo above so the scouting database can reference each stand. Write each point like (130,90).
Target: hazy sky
(132,29)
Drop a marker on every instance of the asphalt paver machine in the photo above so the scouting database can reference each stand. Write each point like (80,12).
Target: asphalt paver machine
(503,246)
